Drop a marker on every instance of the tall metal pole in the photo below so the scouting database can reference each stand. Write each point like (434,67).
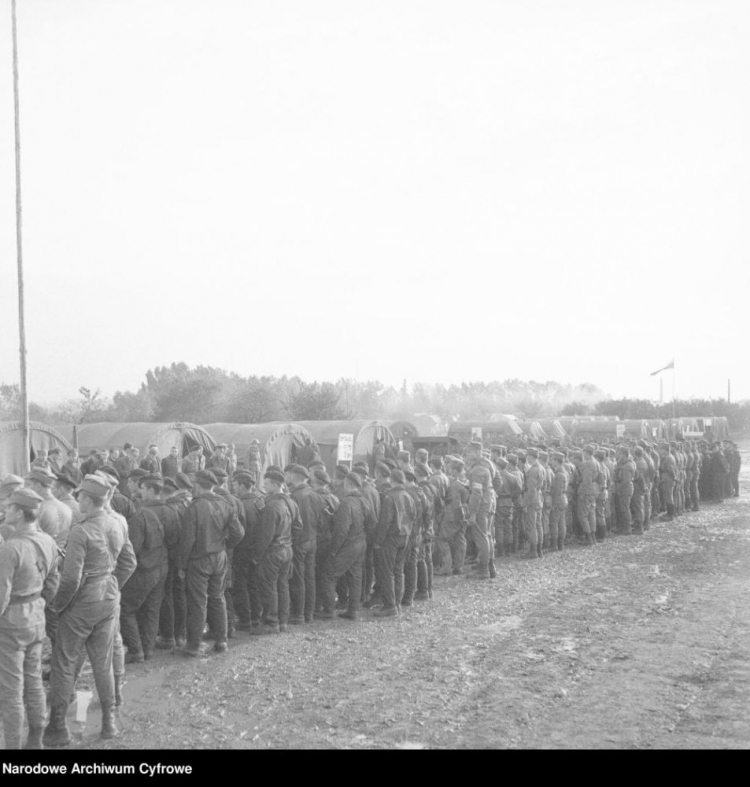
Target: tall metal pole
(19,253)
(673,404)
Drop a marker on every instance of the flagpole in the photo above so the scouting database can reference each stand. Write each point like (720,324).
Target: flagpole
(673,405)
(19,253)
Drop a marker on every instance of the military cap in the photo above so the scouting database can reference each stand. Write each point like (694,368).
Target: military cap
(127,446)
(435,461)
(274,467)
(354,478)
(458,466)
(576,454)
(67,480)
(409,476)
(382,468)
(476,444)
(95,485)
(502,462)
(421,471)
(316,463)
(361,464)
(390,463)
(220,474)
(299,470)
(600,453)
(11,480)
(137,474)
(512,459)
(589,449)
(421,452)
(342,471)
(206,477)
(110,471)
(170,484)
(521,455)
(275,475)
(497,449)
(321,477)
(557,456)
(638,450)
(244,478)
(183,481)
(397,476)
(543,455)
(25,498)
(610,452)
(151,478)
(360,471)
(532,452)
(221,445)
(43,475)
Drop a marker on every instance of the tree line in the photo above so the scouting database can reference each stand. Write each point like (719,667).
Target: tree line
(205,394)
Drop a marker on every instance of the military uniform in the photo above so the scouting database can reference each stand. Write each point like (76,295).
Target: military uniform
(98,561)
(667,475)
(414,545)
(557,524)
(28,580)
(397,518)
(172,616)
(245,588)
(302,584)
(481,498)
(625,471)
(210,527)
(535,479)
(154,531)
(588,491)
(452,532)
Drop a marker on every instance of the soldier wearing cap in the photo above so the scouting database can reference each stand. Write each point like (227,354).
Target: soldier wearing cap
(344,553)
(271,553)
(637,501)
(28,580)
(559,506)
(546,496)
(533,500)
(480,477)
(151,463)
(118,502)
(98,561)
(72,466)
(172,616)
(517,498)
(320,483)
(218,459)
(134,486)
(245,587)
(55,517)
(8,484)
(209,527)
(62,489)
(411,559)
(451,534)
(505,486)
(625,471)
(302,582)
(603,496)
(397,517)
(154,531)
(589,487)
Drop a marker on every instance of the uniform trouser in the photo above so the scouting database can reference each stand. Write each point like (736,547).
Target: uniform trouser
(694,494)
(735,486)
(89,626)
(346,564)
(458,548)
(666,488)
(424,567)
(140,603)
(204,593)
(728,485)
(679,495)
(518,514)
(557,522)
(504,525)
(532,526)
(21,681)
(389,563)
(587,513)
(546,508)
(481,537)
(600,509)
(569,515)
(273,585)
(172,615)
(647,507)
(624,517)
(410,569)
(302,583)
(50,624)
(245,589)
(368,581)
(719,481)
(636,510)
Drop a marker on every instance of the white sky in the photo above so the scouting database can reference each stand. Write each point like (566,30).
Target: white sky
(437,191)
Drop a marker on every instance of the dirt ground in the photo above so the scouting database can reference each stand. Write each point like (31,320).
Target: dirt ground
(640,642)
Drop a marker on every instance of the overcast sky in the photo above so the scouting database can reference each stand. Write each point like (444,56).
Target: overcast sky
(437,191)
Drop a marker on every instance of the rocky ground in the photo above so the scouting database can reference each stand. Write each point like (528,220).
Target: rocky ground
(639,642)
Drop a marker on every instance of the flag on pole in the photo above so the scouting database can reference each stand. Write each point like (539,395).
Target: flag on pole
(670,365)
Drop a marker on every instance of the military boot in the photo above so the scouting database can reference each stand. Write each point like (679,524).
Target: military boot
(119,683)
(482,572)
(109,725)
(57,733)
(34,740)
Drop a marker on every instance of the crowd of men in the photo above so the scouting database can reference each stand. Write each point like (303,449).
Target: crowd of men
(118,556)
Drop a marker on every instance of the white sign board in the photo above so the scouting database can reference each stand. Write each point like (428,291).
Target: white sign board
(620,430)
(476,432)
(345,451)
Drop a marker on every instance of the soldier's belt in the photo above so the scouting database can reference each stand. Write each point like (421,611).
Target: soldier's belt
(24,599)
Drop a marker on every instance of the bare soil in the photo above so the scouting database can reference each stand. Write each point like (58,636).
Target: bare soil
(639,642)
